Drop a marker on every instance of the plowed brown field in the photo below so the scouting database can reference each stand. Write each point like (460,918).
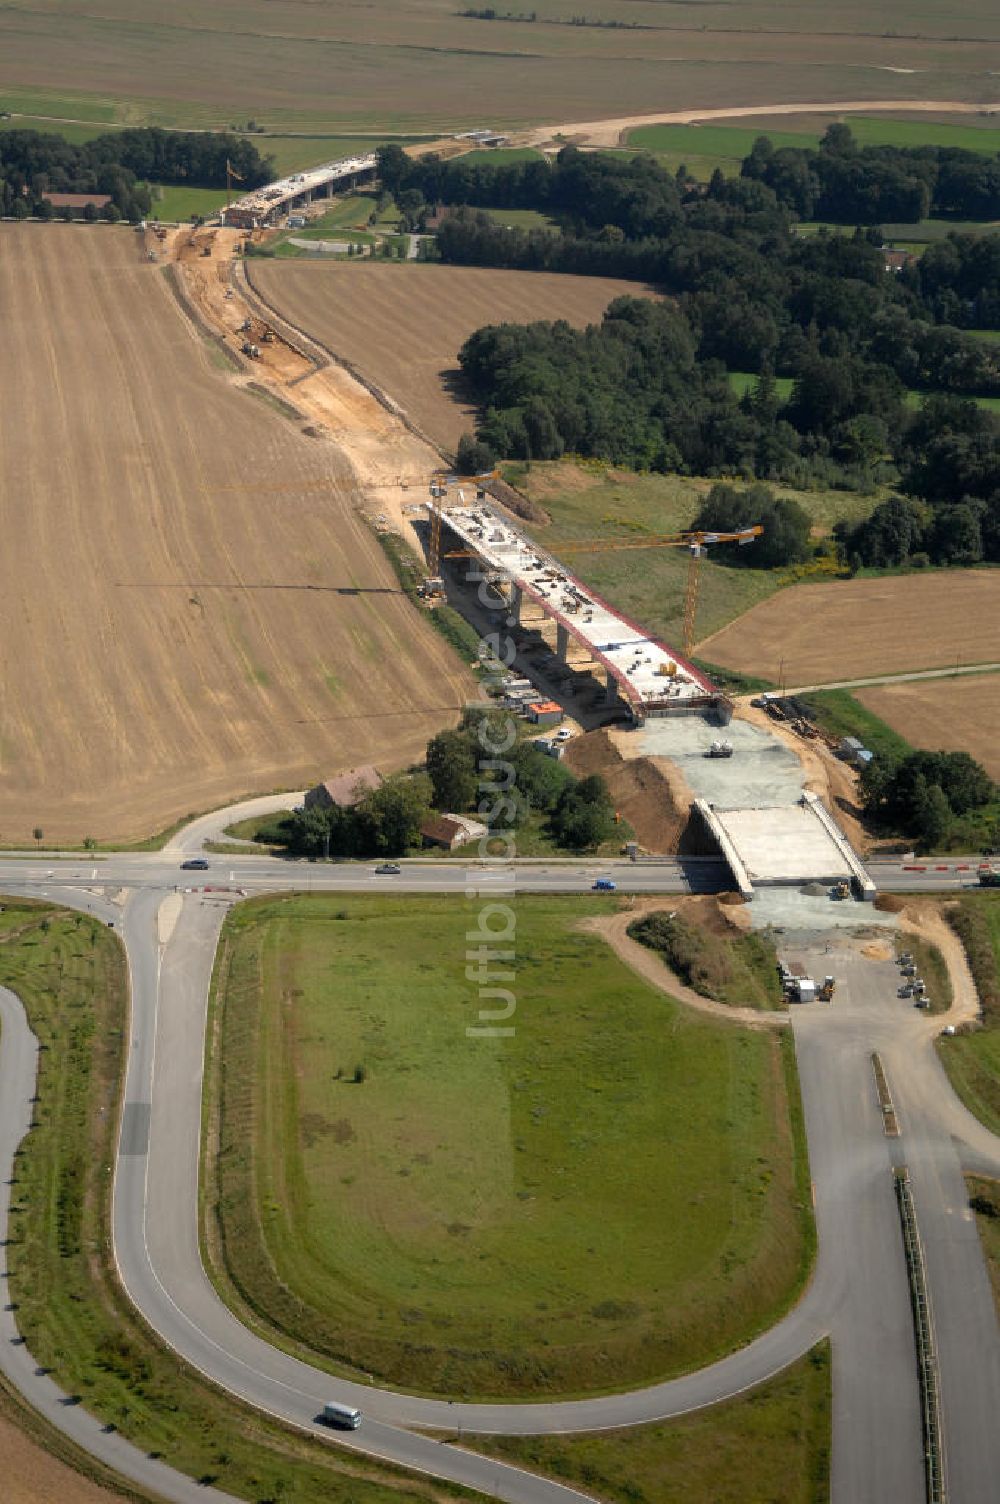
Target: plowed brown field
(402,326)
(849,629)
(192,607)
(944,715)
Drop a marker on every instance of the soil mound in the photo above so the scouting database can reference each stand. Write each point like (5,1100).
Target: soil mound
(641,793)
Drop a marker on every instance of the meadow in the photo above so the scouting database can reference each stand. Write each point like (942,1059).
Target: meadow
(616,1190)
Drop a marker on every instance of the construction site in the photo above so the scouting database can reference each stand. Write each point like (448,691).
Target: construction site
(265,206)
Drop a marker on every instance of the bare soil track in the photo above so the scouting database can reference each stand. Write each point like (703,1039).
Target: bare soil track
(402,326)
(193,607)
(845,629)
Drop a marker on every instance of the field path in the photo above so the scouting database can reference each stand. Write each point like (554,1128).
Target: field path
(611,132)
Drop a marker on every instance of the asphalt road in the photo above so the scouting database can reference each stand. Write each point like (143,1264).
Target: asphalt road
(858,1293)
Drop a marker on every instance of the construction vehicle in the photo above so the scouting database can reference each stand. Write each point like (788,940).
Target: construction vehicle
(827,989)
(250,349)
(989,875)
(841,889)
(720,749)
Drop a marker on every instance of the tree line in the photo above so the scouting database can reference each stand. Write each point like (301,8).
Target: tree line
(838,181)
(122,163)
(851,184)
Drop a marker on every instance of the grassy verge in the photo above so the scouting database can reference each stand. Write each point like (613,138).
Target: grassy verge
(984,1198)
(771,1444)
(448,1221)
(840,714)
(973,1060)
(69,972)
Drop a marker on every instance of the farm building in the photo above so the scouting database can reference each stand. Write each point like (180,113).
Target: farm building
(449,831)
(346,789)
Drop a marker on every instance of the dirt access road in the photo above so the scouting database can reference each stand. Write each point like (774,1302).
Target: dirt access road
(613,132)
(195,609)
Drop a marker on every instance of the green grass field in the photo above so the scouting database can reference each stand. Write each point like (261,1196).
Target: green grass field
(617,1191)
(522,219)
(745,381)
(170,202)
(703,148)
(69,972)
(590,500)
(772,1444)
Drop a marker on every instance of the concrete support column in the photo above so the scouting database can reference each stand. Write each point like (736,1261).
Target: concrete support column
(516,598)
(562,642)
(611,688)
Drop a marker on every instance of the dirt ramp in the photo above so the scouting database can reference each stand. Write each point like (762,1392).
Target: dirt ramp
(643,795)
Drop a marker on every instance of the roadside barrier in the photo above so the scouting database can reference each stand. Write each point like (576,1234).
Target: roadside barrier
(927,1365)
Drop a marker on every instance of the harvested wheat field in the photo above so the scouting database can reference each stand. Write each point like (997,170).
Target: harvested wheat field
(402,326)
(32,1476)
(944,715)
(192,608)
(850,629)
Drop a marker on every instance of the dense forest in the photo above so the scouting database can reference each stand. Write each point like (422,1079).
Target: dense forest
(121,163)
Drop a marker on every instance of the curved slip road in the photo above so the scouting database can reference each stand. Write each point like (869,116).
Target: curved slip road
(858,1292)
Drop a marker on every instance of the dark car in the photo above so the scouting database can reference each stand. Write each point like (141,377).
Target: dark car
(388,869)
(195,864)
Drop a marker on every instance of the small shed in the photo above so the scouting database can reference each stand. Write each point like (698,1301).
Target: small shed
(346,789)
(545,712)
(449,831)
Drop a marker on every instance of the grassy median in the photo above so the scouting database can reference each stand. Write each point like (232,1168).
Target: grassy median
(69,972)
(616,1191)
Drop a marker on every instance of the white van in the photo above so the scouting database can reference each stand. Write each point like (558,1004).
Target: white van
(344,1416)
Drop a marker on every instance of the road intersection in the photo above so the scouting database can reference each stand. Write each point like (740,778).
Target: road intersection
(858,1292)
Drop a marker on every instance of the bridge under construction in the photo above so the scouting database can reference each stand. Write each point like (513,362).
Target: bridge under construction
(645,675)
(264,206)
